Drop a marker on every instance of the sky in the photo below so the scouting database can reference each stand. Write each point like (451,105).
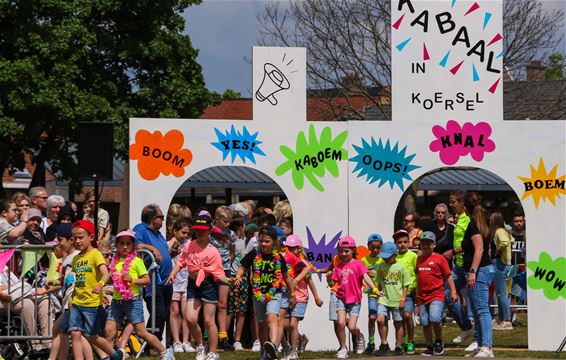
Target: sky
(224,32)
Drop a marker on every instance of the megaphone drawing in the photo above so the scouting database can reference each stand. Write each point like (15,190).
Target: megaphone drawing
(273,81)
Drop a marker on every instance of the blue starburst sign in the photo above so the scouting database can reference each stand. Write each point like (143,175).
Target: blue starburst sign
(238,143)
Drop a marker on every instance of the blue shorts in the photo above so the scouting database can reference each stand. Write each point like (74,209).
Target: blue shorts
(409,305)
(90,320)
(298,311)
(284,300)
(64,327)
(372,306)
(207,292)
(333,307)
(351,309)
(131,310)
(272,307)
(431,313)
(390,313)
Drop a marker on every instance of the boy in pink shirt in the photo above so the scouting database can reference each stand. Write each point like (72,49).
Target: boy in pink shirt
(204,264)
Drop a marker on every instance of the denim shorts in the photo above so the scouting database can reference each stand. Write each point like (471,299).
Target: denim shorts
(64,327)
(284,300)
(431,313)
(272,307)
(333,307)
(131,310)
(372,306)
(409,304)
(90,320)
(390,313)
(351,309)
(298,311)
(207,292)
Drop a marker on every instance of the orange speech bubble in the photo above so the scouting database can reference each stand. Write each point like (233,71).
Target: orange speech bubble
(361,252)
(157,154)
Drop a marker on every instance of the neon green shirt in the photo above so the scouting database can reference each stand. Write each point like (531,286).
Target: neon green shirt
(371,263)
(137,270)
(459,231)
(392,279)
(409,259)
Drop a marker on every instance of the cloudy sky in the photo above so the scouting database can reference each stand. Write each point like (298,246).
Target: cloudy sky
(224,32)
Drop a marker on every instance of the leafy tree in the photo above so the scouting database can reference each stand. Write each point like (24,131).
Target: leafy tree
(231,94)
(63,62)
(555,67)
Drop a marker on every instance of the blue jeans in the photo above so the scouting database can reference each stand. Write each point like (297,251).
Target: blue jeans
(479,297)
(126,309)
(455,309)
(431,313)
(500,284)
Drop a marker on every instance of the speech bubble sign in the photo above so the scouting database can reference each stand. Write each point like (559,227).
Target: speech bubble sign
(548,275)
(543,185)
(238,143)
(320,253)
(157,154)
(384,163)
(455,141)
(313,157)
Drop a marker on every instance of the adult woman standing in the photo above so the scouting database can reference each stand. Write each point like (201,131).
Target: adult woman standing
(480,273)
(501,250)
(410,224)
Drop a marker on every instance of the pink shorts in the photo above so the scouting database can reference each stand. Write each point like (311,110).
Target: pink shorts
(179,295)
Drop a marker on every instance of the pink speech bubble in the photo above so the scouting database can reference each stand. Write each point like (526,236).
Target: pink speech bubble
(455,141)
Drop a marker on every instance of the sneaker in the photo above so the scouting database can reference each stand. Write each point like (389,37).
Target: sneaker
(438,348)
(383,350)
(504,325)
(285,348)
(398,351)
(178,347)
(270,350)
(428,352)
(473,353)
(293,355)
(303,341)
(484,352)
(212,356)
(122,353)
(410,348)
(473,346)
(342,353)
(361,344)
(404,344)
(370,349)
(262,355)
(225,345)
(188,347)
(238,346)
(168,354)
(201,353)
(464,334)
(256,346)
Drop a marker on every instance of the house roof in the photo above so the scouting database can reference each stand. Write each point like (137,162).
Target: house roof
(470,179)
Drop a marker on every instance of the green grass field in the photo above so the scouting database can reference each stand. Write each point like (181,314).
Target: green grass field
(507,344)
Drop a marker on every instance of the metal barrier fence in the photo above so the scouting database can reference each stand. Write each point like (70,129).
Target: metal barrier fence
(12,334)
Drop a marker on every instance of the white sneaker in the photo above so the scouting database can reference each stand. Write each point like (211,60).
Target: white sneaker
(472,347)
(473,353)
(464,334)
(238,346)
(504,325)
(361,344)
(484,352)
(201,353)
(342,353)
(293,355)
(256,346)
(212,356)
(188,347)
(178,347)
(168,354)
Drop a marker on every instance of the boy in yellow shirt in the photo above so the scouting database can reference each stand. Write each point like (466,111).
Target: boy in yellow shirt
(375,241)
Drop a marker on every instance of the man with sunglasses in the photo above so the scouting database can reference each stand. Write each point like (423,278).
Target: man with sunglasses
(149,237)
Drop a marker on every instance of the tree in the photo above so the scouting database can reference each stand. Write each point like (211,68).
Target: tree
(231,94)
(346,38)
(64,62)
(555,67)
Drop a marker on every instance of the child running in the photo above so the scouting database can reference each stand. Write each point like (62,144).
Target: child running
(128,274)
(349,274)
(375,241)
(409,259)
(394,280)
(432,272)
(87,314)
(269,277)
(204,264)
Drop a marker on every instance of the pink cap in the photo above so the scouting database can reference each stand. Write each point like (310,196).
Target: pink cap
(293,241)
(217,230)
(346,241)
(128,233)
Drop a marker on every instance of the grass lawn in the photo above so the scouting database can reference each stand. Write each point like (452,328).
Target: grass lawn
(507,344)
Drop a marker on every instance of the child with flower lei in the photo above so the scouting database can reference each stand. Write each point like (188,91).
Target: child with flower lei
(128,274)
(269,277)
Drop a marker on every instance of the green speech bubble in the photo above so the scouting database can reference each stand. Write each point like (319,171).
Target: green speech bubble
(313,157)
(548,275)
